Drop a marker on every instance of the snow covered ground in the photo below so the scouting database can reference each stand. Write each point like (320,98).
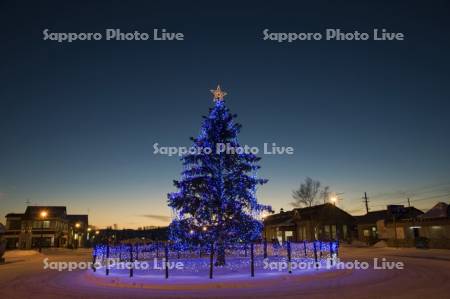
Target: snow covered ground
(426,274)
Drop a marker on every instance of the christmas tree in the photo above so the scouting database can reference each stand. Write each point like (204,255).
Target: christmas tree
(216,204)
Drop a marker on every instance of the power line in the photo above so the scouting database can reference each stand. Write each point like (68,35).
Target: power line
(415,200)
(415,191)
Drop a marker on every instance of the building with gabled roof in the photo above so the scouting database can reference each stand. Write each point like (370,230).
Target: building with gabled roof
(45,226)
(324,222)
(369,230)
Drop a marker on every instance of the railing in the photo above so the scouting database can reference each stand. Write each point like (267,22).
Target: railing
(315,251)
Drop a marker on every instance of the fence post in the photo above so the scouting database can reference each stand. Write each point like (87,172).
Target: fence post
(94,259)
(137,252)
(315,253)
(211,261)
(331,253)
(320,249)
(304,248)
(289,256)
(265,248)
(166,260)
(131,260)
(107,258)
(252,259)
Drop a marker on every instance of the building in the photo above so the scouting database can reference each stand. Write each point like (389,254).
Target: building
(371,226)
(45,226)
(320,222)
(366,225)
(428,230)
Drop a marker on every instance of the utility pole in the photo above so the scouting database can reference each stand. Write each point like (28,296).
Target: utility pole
(409,203)
(366,201)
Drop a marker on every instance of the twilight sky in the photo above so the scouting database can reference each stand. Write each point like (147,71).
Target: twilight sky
(78,120)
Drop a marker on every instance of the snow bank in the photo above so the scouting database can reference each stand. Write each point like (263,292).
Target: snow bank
(20,253)
(380,244)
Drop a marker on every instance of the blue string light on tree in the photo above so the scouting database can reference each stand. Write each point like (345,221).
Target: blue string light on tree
(216,203)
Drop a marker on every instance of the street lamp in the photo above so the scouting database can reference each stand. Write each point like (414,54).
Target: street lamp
(43,215)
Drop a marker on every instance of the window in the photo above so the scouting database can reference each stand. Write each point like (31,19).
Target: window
(288,235)
(333,231)
(41,224)
(326,231)
(400,233)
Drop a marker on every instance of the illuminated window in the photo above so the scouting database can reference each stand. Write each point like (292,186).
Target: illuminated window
(333,231)
(344,231)
(327,231)
(41,224)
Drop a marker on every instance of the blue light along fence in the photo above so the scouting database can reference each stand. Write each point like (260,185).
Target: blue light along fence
(315,251)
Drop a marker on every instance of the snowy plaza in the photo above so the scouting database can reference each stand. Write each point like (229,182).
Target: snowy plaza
(426,273)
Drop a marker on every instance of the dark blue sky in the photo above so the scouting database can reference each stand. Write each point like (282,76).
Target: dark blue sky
(78,120)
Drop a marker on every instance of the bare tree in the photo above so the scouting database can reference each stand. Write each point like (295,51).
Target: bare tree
(325,194)
(306,194)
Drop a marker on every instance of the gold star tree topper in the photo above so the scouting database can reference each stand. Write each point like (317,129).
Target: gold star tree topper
(218,94)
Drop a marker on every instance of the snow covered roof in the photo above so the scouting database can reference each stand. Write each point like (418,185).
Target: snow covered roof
(440,210)
(280,219)
(324,212)
(400,212)
(372,217)
(53,212)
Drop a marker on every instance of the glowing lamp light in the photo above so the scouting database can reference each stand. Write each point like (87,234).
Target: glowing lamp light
(77,225)
(204,228)
(43,214)
(191,232)
(264,215)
